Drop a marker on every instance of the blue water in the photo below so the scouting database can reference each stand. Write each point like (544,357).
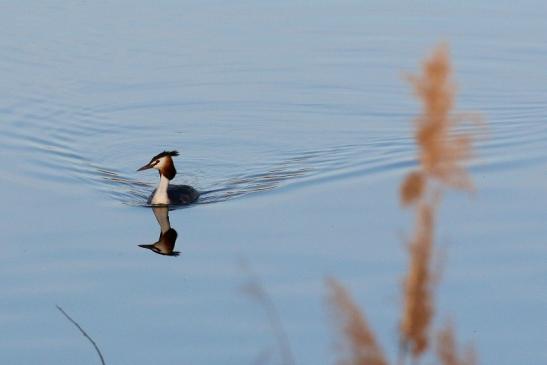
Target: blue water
(298,117)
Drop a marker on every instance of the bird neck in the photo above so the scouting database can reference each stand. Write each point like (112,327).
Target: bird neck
(160,196)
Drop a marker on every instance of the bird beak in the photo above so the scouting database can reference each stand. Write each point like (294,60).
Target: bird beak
(145,167)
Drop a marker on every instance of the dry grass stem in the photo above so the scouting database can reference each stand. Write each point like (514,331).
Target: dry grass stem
(254,289)
(83,333)
(418,285)
(447,349)
(357,337)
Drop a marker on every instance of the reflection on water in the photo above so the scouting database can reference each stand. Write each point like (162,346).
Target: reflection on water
(165,245)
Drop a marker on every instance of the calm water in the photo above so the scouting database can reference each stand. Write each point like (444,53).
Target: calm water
(297,116)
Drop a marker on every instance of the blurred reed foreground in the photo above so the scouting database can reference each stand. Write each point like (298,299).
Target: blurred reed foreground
(442,151)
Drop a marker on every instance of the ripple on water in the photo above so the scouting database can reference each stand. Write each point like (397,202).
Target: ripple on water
(64,143)
(61,142)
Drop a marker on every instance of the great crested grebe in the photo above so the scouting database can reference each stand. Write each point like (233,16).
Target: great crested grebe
(166,194)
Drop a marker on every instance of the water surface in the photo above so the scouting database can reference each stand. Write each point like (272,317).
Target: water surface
(296,117)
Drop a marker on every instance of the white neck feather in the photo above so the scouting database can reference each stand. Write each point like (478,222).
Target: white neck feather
(160,196)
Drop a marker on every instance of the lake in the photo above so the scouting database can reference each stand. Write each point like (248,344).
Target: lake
(296,120)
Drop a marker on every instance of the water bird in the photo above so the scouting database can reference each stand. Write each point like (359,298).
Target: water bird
(166,194)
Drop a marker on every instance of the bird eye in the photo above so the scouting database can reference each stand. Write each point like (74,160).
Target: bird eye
(157,162)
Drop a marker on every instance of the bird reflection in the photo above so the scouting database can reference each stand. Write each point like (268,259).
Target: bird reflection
(168,236)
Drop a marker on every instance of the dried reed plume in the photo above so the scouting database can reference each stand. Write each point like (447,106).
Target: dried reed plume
(442,150)
(447,349)
(442,153)
(356,334)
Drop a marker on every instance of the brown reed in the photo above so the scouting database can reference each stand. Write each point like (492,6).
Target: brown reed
(442,153)
(357,337)
(413,187)
(418,285)
(442,150)
(447,349)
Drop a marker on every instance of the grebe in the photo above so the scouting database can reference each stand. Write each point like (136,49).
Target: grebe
(166,194)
